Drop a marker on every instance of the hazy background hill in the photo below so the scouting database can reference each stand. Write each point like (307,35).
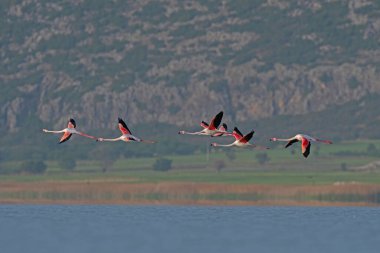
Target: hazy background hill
(169,64)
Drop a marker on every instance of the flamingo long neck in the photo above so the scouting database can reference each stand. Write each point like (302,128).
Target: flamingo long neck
(284,139)
(115,139)
(55,131)
(193,133)
(224,145)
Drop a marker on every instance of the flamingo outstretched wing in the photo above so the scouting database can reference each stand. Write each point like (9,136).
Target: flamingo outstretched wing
(222,128)
(247,137)
(305,147)
(71,124)
(291,142)
(237,134)
(65,137)
(215,122)
(123,127)
(204,124)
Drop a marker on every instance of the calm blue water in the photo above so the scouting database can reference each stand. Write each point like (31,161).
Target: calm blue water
(188,229)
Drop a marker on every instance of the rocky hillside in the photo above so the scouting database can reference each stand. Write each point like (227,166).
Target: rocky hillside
(177,62)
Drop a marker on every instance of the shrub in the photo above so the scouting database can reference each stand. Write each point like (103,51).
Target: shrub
(33,167)
(219,165)
(67,164)
(230,153)
(162,164)
(343,167)
(262,158)
(372,149)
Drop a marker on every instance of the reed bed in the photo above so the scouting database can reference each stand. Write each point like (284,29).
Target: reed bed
(187,193)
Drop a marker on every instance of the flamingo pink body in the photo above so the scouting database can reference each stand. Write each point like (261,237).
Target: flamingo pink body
(68,132)
(305,142)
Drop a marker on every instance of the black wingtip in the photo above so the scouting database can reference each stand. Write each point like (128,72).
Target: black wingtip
(238,131)
(121,121)
(219,115)
(72,121)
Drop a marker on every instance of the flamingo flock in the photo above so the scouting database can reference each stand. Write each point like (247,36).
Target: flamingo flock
(214,129)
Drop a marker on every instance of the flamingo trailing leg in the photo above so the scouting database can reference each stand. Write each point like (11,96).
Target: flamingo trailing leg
(126,135)
(305,142)
(69,131)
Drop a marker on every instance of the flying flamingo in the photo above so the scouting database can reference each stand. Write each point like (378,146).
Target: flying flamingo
(305,142)
(240,140)
(127,135)
(212,128)
(69,131)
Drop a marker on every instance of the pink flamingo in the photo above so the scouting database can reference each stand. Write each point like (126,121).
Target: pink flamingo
(126,134)
(212,128)
(240,140)
(305,142)
(69,131)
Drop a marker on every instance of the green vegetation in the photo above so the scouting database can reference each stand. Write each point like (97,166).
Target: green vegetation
(216,176)
(208,176)
(281,166)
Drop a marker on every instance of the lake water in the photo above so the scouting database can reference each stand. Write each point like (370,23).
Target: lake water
(179,229)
